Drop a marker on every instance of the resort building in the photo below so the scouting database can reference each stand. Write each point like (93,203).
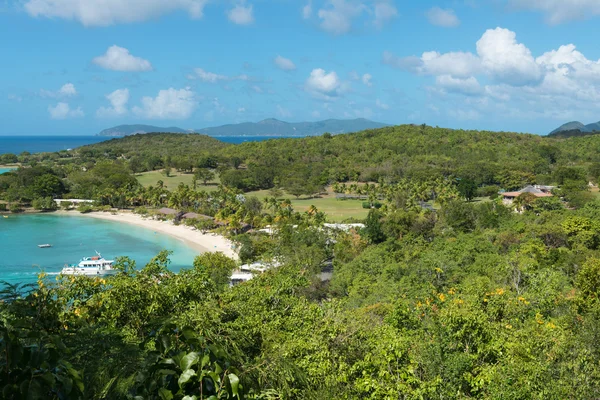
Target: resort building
(537,191)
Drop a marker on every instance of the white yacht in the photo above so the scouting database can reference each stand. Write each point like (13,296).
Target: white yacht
(91,266)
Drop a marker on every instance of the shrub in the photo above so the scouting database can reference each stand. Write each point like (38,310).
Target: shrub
(15,208)
(66,205)
(3,207)
(44,204)
(141,210)
(85,208)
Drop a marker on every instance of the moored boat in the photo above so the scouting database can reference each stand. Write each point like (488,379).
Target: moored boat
(44,246)
(91,266)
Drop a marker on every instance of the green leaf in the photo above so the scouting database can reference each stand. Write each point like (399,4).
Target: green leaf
(235,382)
(190,398)
(189,333)
(165,394)
(189,360)
(186,376)
(205,361)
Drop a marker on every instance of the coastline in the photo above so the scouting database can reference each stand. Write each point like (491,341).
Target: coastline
(203,243)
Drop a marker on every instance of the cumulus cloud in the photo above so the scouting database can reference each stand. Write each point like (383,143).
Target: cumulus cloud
(366,79)
(206,76)
(337,16)
(559,11)
(307,10)
(284,63)
(458,64)
(168,104)
(283,112)
(118,101)
(505,59)
(67,90)
(468,86)
(119,59)
(63,111)
(110,12)
(382,105)
(323,84)
(241,14)
(212,77)
(499,55)
(384,12)
(504,78)
(440,17)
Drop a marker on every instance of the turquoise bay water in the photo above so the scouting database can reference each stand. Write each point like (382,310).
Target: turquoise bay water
(3,170)
(74,237)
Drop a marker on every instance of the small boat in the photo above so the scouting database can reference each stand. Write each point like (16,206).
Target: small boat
(91,266)
(44,246)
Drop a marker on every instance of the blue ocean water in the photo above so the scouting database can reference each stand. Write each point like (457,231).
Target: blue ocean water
(3,170)
(74,237)
(39,144)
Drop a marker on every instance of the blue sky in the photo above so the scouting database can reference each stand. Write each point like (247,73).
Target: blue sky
(79,66)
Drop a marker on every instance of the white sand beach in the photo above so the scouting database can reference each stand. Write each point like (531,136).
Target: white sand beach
(203,243)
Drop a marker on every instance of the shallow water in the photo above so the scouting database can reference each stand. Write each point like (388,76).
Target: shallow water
(3,170)
(74,237)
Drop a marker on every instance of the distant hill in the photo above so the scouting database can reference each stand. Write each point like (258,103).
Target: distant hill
(126,130)
(275,127)
(575,128)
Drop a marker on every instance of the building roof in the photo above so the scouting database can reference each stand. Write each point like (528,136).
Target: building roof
(527,189)
(167,211)
(192,215)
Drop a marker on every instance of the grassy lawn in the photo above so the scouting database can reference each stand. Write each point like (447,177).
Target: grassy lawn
(150,178)
(336,210)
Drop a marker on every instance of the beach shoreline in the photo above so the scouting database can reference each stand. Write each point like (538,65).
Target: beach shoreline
(203,243)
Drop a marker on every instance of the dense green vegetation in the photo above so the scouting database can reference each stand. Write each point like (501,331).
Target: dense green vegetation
(471,300)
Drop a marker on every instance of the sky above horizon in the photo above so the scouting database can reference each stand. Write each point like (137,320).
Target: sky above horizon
(80,66)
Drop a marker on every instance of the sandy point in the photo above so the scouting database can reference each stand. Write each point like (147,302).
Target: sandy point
(202,242)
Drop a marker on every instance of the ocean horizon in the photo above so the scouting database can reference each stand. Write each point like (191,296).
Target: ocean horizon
(14,144)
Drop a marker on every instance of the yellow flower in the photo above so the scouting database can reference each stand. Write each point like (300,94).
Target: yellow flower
(442,297)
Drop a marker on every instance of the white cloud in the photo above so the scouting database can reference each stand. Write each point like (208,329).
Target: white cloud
(110,12)
(283,112)
(366,79)
(499,56)
(323,84)
(440,17)
(14,97)
(458,64)
(241,14)
(307,10)
(63,111)
(211,77)
(468,86)
(384,12)
(241,110)
(337,16)
(118,101)
(382,105)
(505,59)
(168,104)
(559,11)
(206,76)
(284,63)
(503,79)
(464,115)
(67,90)
(119,59)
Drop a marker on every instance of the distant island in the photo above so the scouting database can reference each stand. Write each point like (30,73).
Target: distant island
(576,128)
(268,127)
(126,130)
